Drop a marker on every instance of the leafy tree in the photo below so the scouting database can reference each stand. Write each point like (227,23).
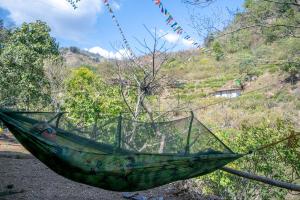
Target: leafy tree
(88,97)
(23,81)
(275,19)
(280,162)
(247,69)
(290,57)
(218,51)
(74,49)
(208,40)
(293,68)
(92,105)
(4,33)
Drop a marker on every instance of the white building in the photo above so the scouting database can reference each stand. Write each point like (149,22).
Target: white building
(228,93)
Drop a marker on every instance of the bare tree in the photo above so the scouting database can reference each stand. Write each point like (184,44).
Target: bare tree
(201,3)
(217,25)
(204,3)
(142,76)
(211,25)
(56,72)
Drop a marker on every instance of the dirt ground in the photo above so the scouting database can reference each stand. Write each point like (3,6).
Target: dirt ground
(24,177)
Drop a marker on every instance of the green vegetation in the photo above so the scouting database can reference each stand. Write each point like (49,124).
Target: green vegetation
(217,49)
(88,97)
(23,81)
(267,162)
(262,55)
(266,32)
(260,48)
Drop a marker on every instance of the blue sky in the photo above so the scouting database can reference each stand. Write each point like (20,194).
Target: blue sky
(91,27)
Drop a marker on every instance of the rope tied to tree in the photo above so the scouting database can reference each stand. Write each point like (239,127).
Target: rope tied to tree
(292,138)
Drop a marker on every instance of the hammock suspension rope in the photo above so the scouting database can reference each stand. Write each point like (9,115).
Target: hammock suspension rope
(116,168)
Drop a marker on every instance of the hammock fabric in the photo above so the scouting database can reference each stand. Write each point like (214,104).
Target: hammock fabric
(123,155)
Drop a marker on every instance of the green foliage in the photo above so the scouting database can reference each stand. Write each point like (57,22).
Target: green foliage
(215,82)
(24,50)
(238,41)
(293,68)
(298,105)
(172,63)
(204,61)
(218,51)
(4,34)
(276,20)
(247,69)
(22,79)
(88,97)
(262,24)
(290,56)
(277,162)
(74,49)
(283,96)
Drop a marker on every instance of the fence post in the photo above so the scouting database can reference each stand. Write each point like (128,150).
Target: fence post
(58,119)
(187,148)
(119,132)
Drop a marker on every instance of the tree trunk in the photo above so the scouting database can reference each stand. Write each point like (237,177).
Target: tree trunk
(262,179)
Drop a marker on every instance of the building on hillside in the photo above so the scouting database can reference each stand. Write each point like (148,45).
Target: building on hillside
(228,93)
(229,90)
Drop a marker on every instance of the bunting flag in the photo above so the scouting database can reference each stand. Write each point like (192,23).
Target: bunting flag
(174,24)
(169,21)
(114,18)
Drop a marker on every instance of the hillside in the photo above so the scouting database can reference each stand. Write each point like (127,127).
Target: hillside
(268,108)
(257,55)
(201,75)
(75,57)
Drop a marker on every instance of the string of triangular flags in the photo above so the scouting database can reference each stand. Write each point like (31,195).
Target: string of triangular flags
(114,18)
(174,24)
(169,20)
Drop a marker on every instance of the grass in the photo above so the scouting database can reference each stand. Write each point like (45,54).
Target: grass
(283,96)
(204,75)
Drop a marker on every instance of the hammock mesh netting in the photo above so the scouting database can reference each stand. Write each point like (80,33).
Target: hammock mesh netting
(181,136)
(120,154)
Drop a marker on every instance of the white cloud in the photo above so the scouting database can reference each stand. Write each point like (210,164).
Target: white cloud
(120,54)
(176,39)
(115,6)
(64,21)
(172,38)
(188,43)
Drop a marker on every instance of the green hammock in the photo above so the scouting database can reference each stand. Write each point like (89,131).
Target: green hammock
(120,154)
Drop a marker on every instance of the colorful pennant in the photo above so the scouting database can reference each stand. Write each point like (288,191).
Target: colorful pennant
(114,18)
(174,25)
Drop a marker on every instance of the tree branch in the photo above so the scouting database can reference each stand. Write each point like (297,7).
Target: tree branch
(262,179)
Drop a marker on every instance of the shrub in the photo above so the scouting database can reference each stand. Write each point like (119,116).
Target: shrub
(218,51)
(279,162)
